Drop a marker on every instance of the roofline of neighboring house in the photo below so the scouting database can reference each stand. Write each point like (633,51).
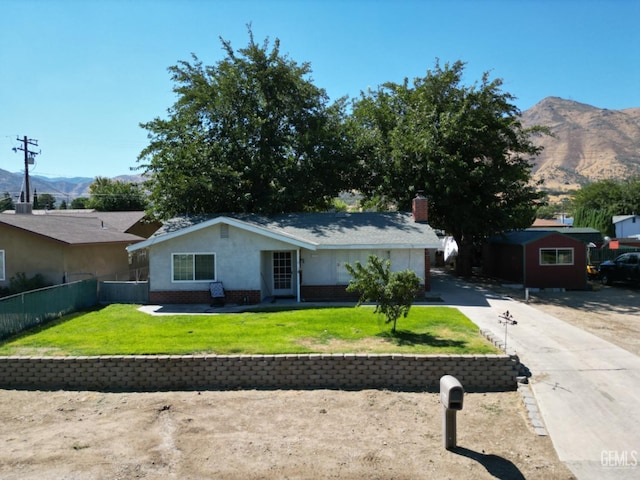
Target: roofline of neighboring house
(64,242)
(622,218)
(229,221)
(535,235)
(109,242)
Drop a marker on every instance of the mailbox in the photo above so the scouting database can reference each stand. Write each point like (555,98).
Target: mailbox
(451,393)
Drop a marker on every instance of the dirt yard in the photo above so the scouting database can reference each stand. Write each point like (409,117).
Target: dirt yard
(294,434)
(611,313)
(266,435)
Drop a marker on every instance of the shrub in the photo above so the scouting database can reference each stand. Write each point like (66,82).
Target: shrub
(20,283)
(393,292)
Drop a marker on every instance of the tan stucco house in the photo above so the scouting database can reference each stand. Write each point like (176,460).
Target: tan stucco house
(65,246)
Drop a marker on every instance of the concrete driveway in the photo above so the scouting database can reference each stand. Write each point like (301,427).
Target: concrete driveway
(587,389)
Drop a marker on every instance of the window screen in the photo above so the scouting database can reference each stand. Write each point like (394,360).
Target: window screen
(194,267)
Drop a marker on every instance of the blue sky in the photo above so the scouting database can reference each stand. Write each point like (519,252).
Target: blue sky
(80,75)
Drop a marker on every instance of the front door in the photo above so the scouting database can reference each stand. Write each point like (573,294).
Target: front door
(282,274)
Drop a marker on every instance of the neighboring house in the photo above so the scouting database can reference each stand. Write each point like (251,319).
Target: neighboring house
(62,247)
(135,222)
(626,225)
(302,256)
(545,223)
(537,259)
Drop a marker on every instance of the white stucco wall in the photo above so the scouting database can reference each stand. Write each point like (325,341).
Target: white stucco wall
(237,258)
(322,267)
(243,260)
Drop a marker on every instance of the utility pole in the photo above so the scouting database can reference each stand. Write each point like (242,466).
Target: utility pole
(28,158)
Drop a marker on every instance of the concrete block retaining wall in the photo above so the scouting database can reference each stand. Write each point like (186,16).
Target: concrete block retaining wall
(222,372)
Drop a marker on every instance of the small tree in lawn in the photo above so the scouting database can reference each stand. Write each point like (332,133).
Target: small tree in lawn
(393,292)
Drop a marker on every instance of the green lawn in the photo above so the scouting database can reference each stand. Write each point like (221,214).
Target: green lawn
(123,330)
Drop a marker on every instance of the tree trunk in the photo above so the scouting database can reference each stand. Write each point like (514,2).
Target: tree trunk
(464,261)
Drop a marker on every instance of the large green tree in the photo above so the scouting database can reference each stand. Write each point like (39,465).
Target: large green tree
(595,204)
(463,145)
(251,133)
(116,196)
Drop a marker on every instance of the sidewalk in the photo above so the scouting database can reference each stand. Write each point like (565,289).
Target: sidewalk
(587,389)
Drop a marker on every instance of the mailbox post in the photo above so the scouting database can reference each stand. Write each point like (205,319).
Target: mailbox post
(451,397)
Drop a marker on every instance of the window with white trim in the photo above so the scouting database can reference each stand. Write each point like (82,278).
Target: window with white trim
(193,267)
(1,264)
(556,256)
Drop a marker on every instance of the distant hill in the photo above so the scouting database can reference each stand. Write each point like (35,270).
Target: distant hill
(589,143)
(61,188)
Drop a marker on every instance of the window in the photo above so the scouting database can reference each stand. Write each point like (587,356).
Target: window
(556,256)
(1,264)
(193,267)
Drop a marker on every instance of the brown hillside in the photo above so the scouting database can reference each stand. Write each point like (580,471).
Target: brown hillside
(589,143)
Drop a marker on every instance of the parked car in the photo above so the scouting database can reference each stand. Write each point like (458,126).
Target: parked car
(625,268)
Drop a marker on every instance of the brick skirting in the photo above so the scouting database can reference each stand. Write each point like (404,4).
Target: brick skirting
(335,293)
(223,372)
(309,293)
(240,297)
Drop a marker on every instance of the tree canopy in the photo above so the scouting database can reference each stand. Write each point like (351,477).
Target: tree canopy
(464,146)
(115,196)
(43,201)
(6,202)
(251,133)
(80,203)
(595,204)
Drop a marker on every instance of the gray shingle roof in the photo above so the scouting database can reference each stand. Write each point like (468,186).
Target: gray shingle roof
(121,221)
(72,230)
(324,230)
(522,237)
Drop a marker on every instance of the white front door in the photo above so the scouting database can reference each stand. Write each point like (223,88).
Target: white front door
(282,274)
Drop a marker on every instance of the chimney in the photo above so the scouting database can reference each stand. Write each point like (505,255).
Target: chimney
(420,208)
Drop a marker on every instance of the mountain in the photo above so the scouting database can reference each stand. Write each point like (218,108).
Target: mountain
(61,188)
(588,143)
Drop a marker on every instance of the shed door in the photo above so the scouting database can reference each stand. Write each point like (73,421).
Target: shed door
(282,274)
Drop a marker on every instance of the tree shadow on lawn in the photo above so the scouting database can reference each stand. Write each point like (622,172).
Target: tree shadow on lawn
(405,338)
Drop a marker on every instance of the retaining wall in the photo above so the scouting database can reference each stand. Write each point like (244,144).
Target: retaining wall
(222,372)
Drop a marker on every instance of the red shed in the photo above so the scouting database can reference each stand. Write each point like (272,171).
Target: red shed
(537,259)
